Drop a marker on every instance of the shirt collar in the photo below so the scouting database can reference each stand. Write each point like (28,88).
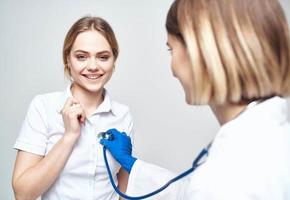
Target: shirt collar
(272,110)
(104,107)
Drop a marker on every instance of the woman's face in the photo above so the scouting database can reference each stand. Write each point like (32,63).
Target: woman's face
(91,61)
(181,66)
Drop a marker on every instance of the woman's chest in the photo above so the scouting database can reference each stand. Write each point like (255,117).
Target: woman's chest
(87,154)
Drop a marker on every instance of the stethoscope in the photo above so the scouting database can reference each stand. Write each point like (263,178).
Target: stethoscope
(196,163)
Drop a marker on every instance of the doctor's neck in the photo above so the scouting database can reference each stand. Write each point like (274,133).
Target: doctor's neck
(227,112)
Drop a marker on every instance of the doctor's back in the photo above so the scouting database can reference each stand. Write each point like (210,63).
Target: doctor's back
(249,158)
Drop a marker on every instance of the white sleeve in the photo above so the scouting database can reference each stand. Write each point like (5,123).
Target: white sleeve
(33,134)
(129,130)
(145,178)
(129,121)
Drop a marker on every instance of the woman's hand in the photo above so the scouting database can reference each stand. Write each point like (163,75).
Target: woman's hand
(73,116)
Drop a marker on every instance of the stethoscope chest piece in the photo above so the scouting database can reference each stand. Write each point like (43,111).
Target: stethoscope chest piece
(106,135)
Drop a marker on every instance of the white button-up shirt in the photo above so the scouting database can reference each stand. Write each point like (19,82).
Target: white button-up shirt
(84,176)
(249,159)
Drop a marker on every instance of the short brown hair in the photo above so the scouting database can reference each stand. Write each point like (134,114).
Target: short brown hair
(85,24)
(239,49)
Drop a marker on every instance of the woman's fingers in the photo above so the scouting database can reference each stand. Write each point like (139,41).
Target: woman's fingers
(81,114)
(78,112)
(70,102)
(73,115)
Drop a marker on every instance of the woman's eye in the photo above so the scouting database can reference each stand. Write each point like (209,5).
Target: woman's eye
(81,57)
(104,58)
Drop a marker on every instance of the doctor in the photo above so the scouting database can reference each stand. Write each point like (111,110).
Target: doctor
(233,55)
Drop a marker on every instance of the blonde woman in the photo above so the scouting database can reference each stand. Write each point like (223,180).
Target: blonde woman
(233,55)
(59,156)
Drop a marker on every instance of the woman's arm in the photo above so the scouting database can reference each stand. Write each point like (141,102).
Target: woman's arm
(123,177)
(34,174)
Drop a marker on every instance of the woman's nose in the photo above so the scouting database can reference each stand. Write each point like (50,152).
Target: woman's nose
(93,65)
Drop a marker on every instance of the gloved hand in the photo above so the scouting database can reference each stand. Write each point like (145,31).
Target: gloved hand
(120,148)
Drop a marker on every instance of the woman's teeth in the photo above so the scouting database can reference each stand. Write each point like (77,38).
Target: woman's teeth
(92,76)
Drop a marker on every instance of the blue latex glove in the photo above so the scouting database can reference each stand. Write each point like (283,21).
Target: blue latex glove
(120,148)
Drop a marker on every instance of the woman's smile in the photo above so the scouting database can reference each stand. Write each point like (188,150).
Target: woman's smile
(92,76)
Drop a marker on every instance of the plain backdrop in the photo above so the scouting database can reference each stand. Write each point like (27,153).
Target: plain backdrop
(167,131)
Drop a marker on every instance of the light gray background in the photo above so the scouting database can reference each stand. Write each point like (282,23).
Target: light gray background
(167,131)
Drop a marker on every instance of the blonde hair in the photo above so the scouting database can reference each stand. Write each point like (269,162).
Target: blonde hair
(239,49)
(85,24)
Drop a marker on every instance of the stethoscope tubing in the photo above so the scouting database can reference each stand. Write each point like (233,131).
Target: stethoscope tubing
(180,176)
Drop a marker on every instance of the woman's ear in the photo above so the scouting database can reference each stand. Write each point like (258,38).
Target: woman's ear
(69,67)
(68,61)
(114,65)
(68,64)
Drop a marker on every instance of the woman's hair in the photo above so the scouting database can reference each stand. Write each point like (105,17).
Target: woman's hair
(86,24)
(239,49)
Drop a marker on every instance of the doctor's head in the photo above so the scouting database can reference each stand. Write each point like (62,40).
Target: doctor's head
(228,51)
(89,53)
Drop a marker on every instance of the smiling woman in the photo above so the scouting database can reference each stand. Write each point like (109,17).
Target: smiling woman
(90,44)
(58,155)
(91,61)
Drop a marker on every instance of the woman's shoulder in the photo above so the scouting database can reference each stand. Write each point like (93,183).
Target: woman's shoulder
(120,108)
